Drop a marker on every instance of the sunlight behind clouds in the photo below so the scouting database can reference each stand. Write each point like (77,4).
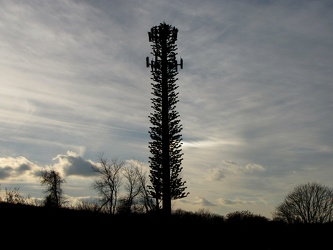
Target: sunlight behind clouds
(208,143)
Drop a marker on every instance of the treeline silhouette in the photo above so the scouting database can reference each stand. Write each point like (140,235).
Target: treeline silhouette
(83,227)
(302,221)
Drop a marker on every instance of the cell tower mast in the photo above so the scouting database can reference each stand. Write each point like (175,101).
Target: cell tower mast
(164,133)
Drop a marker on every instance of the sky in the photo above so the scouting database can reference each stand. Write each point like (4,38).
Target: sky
(255,95)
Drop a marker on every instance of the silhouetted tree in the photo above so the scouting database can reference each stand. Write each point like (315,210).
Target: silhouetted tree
(87,206)
(108,183)
(144,195)
(245,217)
(309,203)
(132,189)
(53,181)
(165,147)
(136,198)
(13,196)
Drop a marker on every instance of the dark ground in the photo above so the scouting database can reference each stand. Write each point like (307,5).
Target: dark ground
(41,228)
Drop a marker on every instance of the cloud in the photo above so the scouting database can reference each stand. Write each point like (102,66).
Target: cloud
(228,168)
(207,143)
(203,202)
(15,168)
(215,174)
(236,201)
(254,167)
(73,164)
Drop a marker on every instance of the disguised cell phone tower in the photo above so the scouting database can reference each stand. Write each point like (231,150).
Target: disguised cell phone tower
(165,147)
